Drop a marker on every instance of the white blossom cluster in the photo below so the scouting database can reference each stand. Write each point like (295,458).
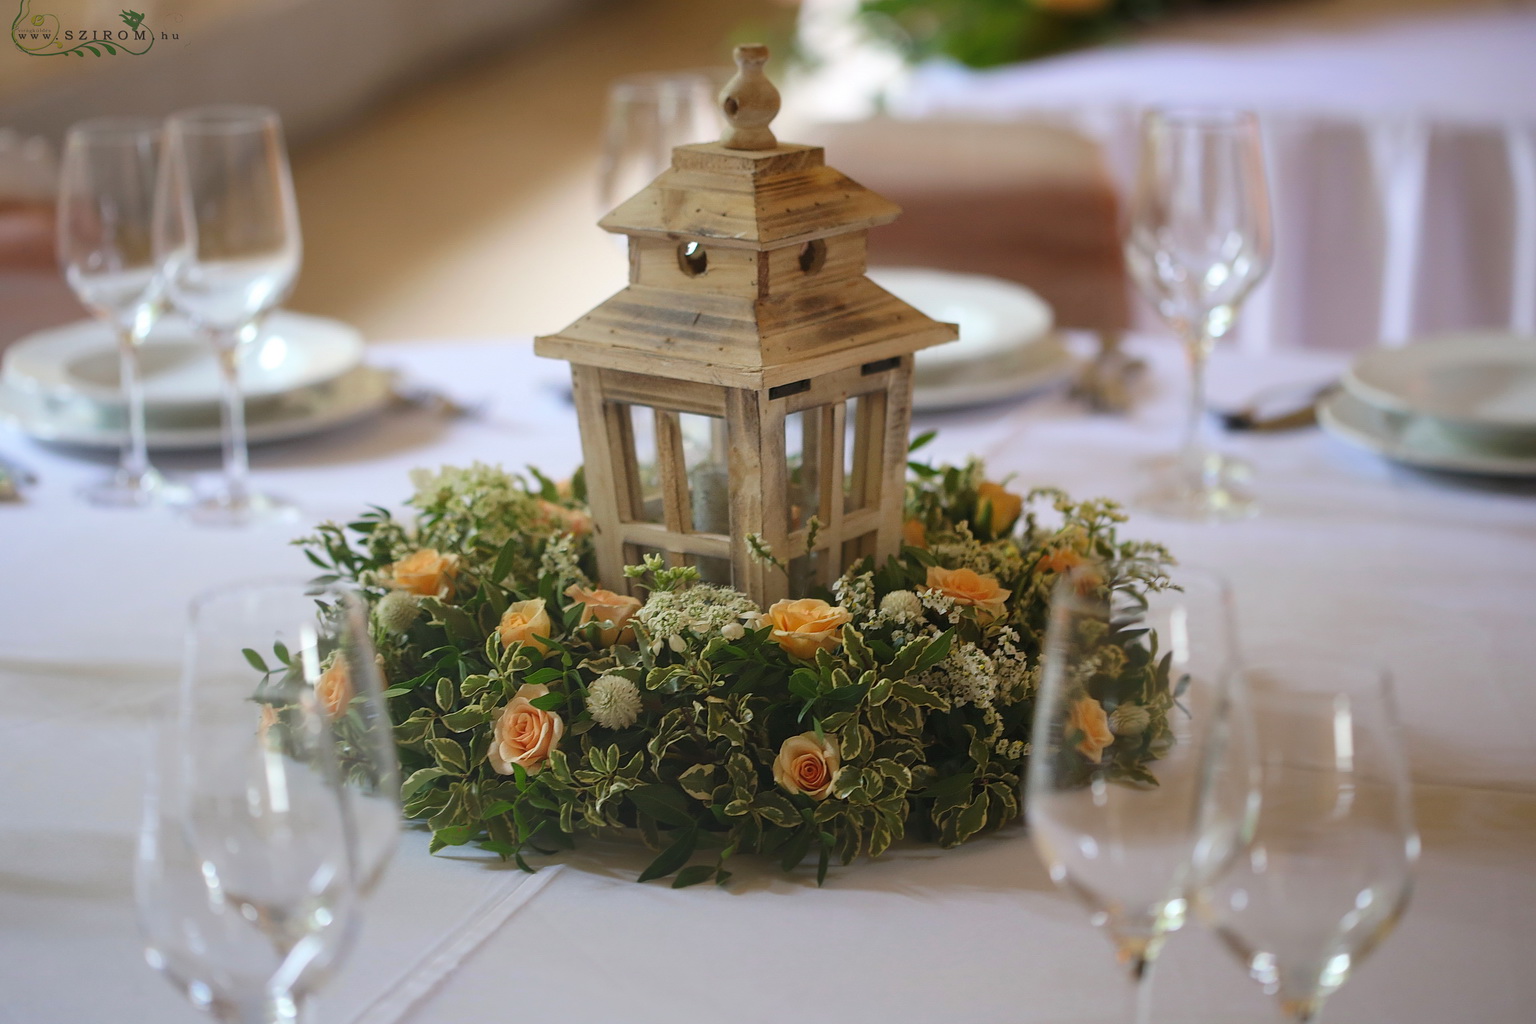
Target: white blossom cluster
(999,559)
(855,592)
(703,609)
(484,495)
(966,675)
(1016,678)
(941,603)
(1011,749)
(560,559)
(1105,660)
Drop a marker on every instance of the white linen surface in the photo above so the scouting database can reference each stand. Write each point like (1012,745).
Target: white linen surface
(1352,557)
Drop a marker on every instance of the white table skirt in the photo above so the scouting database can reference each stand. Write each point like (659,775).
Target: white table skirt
(1351,557)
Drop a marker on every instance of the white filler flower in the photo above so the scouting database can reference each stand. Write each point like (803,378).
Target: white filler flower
(901,605)
(614,702)
(397,610)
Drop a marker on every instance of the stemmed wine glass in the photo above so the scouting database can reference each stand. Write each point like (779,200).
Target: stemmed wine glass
(1139,789)
(1330,869)
(649,114)
(227,236)
(264,819)
(1197,242)
(105,248)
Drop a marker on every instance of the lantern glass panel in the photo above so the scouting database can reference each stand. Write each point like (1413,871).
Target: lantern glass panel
(706,461)
(862,447)
(809,570)
(805,466)
(642,469)
(858,547)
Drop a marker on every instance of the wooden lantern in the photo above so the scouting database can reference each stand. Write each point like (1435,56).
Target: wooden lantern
(749,380)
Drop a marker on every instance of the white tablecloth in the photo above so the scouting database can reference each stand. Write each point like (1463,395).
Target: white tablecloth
(1437,578)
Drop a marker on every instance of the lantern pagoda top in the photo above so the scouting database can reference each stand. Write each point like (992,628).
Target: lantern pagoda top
(746,264)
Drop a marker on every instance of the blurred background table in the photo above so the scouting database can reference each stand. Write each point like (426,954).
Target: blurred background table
(1352,558)
(441,156)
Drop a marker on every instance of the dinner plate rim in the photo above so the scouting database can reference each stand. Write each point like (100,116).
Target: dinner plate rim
(1439,347)
(373,387)
(1058,367)
(81,332)
(1333,415)
(1021,297)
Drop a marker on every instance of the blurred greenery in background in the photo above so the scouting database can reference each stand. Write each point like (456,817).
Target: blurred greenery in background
(986,33)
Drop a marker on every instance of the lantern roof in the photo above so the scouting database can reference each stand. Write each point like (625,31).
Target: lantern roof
(743,341)
(759,199)
(717,294)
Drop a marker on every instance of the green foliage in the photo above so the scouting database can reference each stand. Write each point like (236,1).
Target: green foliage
(924,702)
(986,33)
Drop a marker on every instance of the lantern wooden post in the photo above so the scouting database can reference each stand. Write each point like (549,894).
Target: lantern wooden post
(747,304)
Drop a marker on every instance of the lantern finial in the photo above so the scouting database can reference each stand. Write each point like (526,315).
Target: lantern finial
(749,101)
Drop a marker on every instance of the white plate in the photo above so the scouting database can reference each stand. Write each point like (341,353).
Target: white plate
(1021,371)
(1479,379)
(1419,440)
(348,398)
(79,360)
(995,316)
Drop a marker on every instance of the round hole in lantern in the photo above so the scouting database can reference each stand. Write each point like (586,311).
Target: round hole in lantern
(692,258)
(813,256)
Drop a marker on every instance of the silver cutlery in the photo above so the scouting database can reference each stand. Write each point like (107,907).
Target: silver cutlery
(439,403)
(1284,407)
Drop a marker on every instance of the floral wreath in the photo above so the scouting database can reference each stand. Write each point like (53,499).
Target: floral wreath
(532,706)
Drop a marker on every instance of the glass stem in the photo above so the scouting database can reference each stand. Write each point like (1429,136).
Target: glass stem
(236,459)
(135,460)
(282,1009)
(1197,441)
(1141,991)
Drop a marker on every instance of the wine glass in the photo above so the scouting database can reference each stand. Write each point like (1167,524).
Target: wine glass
(227,237)
(1138,788)
(105,248)
(1197,242)
(649,114)
(260,828)
(1330,869)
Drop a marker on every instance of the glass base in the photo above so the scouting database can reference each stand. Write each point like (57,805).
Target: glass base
(136,490)
(225,510)
(1208,487)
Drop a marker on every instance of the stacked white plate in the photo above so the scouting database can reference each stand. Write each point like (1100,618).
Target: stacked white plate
(301,375)
(1006,347)
(1463,402)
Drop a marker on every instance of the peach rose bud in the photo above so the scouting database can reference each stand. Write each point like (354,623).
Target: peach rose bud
(807,765)
(914,534)
(610,610)
(334,688)
(523,734)
(1087,716)
(427,573)
(808,625)
(567,520)
(524,623)
(970,588)
(1000,507)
